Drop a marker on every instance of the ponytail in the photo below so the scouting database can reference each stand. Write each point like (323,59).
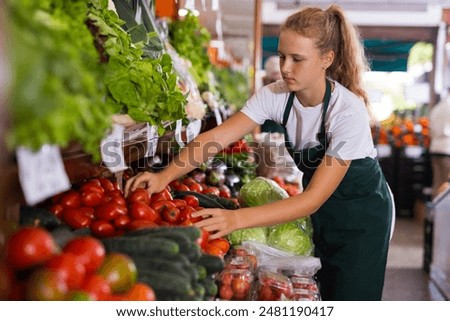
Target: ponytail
(332,31)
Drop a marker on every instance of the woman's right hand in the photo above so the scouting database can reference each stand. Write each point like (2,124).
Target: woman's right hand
(152,182)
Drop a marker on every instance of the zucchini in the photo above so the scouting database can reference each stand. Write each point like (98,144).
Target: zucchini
(142,246)
(212,263)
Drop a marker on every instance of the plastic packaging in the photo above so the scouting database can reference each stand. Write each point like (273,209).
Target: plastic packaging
(235,284)
(273,286)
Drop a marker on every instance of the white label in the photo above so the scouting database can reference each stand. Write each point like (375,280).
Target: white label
(193,129)
(218,116)
(384,150)
(42,173)
(152,140)
(178,133)
(111,149)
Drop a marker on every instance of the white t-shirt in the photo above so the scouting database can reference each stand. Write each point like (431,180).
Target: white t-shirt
(440,127)
(346,122)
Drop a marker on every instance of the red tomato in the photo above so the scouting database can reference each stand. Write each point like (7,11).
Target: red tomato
(212,190)
(182,188)
(225,292)
(119,200)
(191,200)
(102,228)
(91,198)
(70,199)
(186,213)
(75,218)
(171,215)
(115,192)
(106,184)
(195,187)
(188,180)
(173,184)
(56,209)
(89,250)
(88,211)
(224,191)
(240,287)
(97,287)
(179,202)
(140,292)
(92,186)
(213,249)
(109,211)
(141,211)
(138,224)
(222,243)
(122,222)
(139,195)
(163,195)
(29,246)
(202,241)
(69,267)
(160,205)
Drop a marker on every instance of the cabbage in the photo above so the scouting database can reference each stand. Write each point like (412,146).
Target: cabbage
(305,223)
(291,238)
(258,234)
(260,191)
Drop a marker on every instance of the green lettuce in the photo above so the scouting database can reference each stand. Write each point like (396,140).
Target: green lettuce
(258,234)
(260,191)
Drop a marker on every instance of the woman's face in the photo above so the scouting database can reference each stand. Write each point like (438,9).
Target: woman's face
(300,61)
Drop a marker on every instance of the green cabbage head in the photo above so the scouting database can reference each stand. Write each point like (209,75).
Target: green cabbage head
(260,191)
(258,234)
(291,238)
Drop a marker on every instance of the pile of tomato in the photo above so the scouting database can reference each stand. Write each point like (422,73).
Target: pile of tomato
(101,206)
(36,268)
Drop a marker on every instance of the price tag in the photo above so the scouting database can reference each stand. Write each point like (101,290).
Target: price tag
(384,150)
(193,129)
(218,116)
(178,133)
(42,173)
(111,149)
(152,140)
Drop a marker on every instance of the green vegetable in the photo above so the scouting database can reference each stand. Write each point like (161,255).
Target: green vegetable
(260,191)
(291,238)
(258,234)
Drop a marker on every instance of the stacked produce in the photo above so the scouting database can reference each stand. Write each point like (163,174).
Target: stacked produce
(36,267)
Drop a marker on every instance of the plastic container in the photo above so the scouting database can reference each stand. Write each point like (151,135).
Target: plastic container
(305,288)
(273,286)
(239,262)
(235,284)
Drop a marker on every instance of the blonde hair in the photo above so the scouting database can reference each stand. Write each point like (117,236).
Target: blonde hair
(332,31)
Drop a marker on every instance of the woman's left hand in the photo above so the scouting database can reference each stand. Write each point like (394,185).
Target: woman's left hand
(218,222)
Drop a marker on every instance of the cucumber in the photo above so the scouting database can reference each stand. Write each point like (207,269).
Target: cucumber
(162,264)
(212,263)
(35,216)
(210,286)
(142,246)
(167,284)
(192,232)
(204,200)
(201,270)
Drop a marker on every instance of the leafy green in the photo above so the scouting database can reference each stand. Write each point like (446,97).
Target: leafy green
(57,95)
(190,39)
(233,85)
(291,238)
(258,234)
(260,191)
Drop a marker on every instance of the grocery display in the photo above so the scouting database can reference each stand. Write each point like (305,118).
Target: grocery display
(154,79)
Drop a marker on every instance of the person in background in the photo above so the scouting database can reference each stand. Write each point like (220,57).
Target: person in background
(322,107)
(440,143)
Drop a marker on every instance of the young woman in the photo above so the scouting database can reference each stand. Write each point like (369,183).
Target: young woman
(322,106)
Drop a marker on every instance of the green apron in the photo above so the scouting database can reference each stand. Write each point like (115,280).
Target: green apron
(352,228)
